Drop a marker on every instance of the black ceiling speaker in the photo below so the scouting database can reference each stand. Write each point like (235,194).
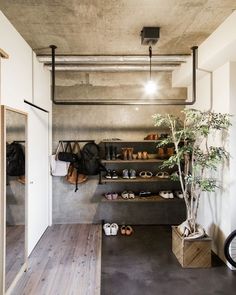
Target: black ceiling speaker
(150,35)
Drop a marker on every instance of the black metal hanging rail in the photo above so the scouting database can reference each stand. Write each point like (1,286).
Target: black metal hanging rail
(19,141)
(77,140)
(35,106)
(171,102)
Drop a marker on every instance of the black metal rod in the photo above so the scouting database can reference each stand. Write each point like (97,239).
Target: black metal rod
(35,106)
(53,47)
(77,140)
(171,102)
(194,74)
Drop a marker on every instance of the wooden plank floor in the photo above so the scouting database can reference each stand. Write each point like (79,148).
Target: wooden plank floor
(66,261)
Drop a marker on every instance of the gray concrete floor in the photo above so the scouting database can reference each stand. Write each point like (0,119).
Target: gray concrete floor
(143,264)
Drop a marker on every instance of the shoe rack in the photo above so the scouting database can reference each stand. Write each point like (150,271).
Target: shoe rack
(152,163)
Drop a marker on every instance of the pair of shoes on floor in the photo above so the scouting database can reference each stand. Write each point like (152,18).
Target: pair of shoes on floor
(128,195)
(111,174)
(111,196)
(128,174)
(166,194)
(126,230)
(110,229)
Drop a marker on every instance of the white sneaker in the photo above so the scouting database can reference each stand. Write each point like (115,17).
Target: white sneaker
(107,229)
(180,195)
(114,229)
(164,194)
(171,196)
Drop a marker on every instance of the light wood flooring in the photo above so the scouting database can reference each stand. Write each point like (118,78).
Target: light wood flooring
(66,261)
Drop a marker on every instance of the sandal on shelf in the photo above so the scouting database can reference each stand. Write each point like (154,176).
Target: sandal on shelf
(108,196)
(129,231)
(114,196)
(123,230)
(163,175)
(145,156)
(145,174)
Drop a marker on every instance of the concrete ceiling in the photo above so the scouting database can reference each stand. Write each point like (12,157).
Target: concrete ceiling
(102,27)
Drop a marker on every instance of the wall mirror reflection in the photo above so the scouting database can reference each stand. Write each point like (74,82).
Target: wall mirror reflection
(15,194)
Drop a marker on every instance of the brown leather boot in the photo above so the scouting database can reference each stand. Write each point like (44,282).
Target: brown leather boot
(130,153)
(124,154)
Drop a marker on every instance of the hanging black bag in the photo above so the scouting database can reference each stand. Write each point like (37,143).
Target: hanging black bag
(68,155)
(90,160)
(15,159)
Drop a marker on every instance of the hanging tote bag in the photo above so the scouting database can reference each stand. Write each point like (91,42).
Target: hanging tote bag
(58,168)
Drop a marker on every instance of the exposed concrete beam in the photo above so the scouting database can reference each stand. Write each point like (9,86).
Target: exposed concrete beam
(113,68)
(215,51)
(106,59)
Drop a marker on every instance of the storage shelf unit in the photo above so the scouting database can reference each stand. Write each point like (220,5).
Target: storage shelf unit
(140,210)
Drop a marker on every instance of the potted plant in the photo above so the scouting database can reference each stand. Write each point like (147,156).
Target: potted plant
(196,159)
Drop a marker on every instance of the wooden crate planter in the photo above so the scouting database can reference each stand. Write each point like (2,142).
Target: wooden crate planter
(191,253)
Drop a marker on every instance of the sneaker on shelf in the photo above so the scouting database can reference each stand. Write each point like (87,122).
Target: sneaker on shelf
(179,194)
(131,195)
(164,194)
(132,174)
(107,229)
(114,229)
(108,174)
(125,174)
(114,174)
(125,195)
(171,195)
(108,196)
(145,194)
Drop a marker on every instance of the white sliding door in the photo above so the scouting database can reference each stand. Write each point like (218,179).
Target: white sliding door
(39,176)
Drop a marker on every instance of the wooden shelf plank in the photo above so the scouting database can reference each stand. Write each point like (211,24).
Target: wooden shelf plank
(137,179)
(130,141)
(143,199)
(132,161)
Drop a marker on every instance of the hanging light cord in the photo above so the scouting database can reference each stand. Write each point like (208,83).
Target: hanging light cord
(150,58)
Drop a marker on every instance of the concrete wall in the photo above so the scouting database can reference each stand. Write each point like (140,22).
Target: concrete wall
(101,122)
(22,77)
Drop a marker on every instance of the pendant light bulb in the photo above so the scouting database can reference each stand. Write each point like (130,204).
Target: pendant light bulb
(150,87)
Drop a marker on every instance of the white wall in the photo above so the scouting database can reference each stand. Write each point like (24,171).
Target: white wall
(217,54)
(22,77)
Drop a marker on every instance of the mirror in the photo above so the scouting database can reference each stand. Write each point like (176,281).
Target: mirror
(15,201)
